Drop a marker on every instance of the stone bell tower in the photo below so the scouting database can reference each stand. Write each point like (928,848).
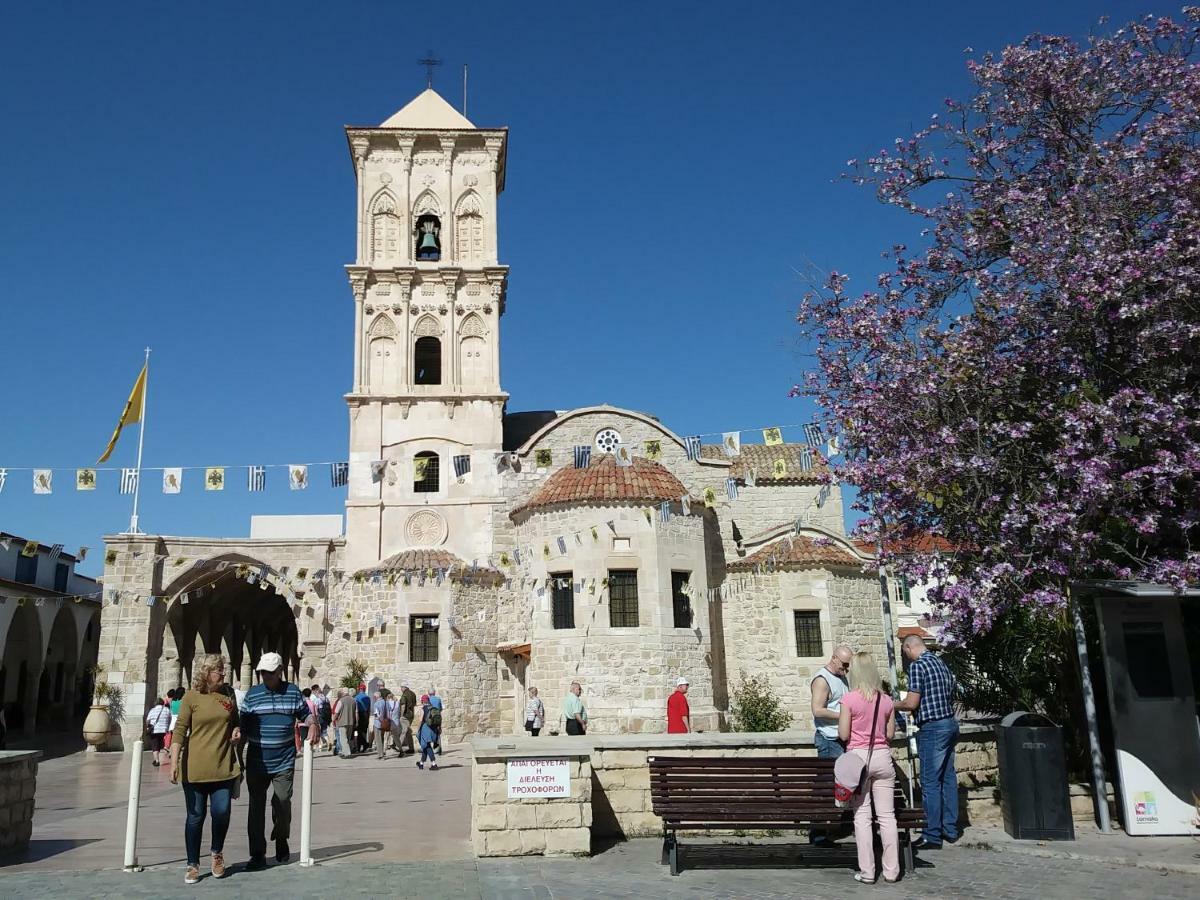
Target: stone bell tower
(428,295)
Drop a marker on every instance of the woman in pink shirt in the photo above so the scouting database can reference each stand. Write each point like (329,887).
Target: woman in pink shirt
(866,725)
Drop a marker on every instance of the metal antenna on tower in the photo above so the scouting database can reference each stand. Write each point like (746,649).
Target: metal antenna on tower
(429,62)
(464,90)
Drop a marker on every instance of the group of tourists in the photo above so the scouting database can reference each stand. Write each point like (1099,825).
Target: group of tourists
(219,736)
(852,715)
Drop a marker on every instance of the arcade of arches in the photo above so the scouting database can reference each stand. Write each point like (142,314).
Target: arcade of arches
(214,612)
(48,647)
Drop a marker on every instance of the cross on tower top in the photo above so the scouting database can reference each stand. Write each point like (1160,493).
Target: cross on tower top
(429,62)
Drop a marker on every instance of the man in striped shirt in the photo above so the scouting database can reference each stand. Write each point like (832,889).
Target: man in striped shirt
(269,715)
(931,700)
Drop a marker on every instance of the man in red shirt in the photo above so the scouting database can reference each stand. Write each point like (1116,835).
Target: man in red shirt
(679,714)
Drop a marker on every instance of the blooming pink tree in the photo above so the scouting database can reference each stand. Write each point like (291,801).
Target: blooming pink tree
(1026,385)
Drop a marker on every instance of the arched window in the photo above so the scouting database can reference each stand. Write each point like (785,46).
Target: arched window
(427,361)
(428,231)
(383,360)
(468,233)
(385,228)
(474,364)
(425,473)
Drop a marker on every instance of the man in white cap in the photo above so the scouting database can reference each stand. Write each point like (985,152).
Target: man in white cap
(679,714)
(269,716)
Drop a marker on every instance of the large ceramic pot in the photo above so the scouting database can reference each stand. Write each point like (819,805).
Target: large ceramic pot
(96,725)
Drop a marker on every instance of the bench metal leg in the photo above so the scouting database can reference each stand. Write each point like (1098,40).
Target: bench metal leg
(910,867)
(666,854)
(673,855)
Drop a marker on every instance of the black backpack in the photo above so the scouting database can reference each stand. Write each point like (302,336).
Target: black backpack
(434,719)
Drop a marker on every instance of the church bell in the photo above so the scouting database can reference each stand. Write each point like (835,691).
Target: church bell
(428,242)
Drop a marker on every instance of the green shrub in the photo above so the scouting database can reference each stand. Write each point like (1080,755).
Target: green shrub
(756,706)
(356,674)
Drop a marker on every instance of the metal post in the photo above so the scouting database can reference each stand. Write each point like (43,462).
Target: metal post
(306,806)
(137,485)
(1093,727)
(131,819)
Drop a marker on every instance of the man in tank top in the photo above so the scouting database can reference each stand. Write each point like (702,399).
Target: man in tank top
(827,687)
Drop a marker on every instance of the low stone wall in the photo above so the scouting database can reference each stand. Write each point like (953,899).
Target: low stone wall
(18,784)
(613,799)
(552,826)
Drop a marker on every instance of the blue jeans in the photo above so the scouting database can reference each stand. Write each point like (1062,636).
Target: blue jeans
(198,797)
(828,748)
(939,781)
(427,751)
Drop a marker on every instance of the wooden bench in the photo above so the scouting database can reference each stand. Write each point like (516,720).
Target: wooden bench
(701,793)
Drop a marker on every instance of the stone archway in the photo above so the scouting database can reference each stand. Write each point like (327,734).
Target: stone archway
(60,674)
(223,605)
(21,669)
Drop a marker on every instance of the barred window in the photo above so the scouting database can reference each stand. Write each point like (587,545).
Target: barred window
(423,639)
(808,633)
(563,599)
(622,598)
(680,602)
(429,481)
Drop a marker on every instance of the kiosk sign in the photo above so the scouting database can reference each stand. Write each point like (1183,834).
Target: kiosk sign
(539,778)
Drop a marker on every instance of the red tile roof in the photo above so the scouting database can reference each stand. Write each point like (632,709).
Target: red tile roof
(412,560)
(796,552)
(606,482)
(760,458)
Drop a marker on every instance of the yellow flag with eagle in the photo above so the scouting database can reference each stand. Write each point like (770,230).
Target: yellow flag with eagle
(131,415)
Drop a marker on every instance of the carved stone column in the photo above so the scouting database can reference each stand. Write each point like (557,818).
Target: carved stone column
(361,147)
(449,253)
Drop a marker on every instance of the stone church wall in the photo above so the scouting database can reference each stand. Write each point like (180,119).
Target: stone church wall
(465,673)
(760,636)
(626,673)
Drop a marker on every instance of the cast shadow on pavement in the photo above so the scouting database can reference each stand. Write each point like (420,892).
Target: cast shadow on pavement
(342,851)
(44,849)
(698,855)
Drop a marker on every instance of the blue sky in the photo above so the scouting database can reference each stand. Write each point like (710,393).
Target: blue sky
(175,175)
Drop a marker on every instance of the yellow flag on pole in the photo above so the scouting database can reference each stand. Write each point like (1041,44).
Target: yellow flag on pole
(131,414)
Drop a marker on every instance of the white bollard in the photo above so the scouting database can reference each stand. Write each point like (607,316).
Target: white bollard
(131,819)
(306,806)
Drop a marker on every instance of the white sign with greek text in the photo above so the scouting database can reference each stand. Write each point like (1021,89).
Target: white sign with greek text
(539,778)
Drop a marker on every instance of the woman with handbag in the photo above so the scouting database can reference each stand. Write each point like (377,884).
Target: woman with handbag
(535,713)
(867,724)
(204,757)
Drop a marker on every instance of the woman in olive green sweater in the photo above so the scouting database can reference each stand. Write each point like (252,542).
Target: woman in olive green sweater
(204,756)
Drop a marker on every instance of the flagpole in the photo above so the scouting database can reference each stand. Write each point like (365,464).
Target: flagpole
(137,485)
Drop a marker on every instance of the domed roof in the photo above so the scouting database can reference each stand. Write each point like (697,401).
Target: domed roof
(606,482)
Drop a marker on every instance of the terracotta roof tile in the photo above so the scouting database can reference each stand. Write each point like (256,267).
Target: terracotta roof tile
(606,482)
(797,551)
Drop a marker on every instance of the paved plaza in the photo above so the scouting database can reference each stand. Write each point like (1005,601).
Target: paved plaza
(389,830)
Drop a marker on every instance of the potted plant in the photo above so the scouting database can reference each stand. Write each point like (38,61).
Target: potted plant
(106,708)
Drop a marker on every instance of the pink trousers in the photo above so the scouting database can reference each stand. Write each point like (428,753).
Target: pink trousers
(880,787)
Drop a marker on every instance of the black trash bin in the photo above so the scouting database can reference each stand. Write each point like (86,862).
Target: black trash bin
(1034,794)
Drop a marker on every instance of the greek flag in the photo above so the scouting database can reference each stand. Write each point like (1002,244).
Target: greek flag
(692,446)
(3,478)
(731,488)
(562,546)
(686,502)
(812,435)
(822,496)
(339,474)
(583,456)
(55,553)
(462,465)
(664,511)
(257,478)
(806,459)
(129,480)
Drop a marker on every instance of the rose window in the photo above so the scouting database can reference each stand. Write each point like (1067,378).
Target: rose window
(607,440)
